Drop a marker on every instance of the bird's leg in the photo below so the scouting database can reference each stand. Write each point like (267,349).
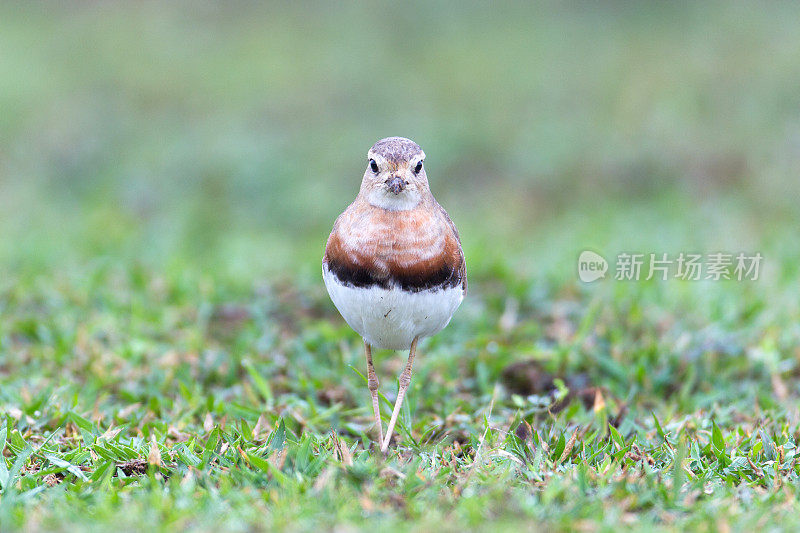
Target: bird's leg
(372,383)
(404,382)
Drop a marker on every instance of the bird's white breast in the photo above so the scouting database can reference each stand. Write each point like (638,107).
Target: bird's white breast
(392,318)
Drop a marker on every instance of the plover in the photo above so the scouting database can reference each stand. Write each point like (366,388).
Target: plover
(393,264)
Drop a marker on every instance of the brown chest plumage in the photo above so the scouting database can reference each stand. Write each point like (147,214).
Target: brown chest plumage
(417,249)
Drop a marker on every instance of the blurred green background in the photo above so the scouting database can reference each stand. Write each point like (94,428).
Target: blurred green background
(169,173)
(227,138)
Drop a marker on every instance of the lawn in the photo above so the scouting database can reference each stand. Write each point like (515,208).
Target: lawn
(170,360)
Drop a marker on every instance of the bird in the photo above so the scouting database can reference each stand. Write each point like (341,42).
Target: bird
(393,264)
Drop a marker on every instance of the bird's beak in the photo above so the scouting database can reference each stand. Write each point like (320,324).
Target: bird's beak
(396,184)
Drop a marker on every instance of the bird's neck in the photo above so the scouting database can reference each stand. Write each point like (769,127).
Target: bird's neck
(405,201)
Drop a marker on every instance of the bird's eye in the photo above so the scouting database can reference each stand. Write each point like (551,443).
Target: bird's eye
(373,165)
(418,168)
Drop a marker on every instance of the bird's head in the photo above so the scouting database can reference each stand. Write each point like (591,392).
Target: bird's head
(395,177)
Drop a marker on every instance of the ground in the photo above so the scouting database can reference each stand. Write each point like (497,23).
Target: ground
(169,358)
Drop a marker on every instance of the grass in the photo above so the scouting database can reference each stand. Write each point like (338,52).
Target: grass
(169,358)
(192,404)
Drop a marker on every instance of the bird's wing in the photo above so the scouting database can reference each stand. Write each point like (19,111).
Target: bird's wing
(461,271)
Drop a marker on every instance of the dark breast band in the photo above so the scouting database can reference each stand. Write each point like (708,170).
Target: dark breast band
(441,276)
